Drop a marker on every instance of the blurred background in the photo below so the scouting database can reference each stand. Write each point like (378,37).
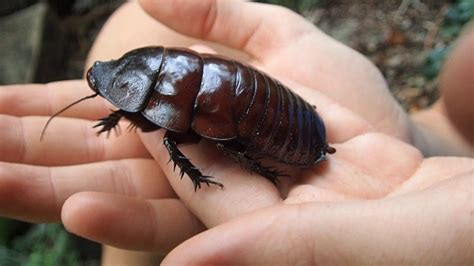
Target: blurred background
(43,41)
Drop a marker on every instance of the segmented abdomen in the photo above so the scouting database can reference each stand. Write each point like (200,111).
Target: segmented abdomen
(275,122)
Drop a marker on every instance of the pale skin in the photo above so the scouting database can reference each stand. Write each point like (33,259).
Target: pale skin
(121,191)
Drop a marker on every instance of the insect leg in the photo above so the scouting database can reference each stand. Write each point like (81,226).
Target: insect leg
(137,120)
(109,122)
(238,154)
(184,164)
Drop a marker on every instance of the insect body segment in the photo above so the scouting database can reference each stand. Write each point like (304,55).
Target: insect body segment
(245,111)
(213,114)
(171,101)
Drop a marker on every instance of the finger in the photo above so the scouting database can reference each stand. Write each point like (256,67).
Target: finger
(130,223)
(240,241)
(36,193)
(208,49)
(379,232)
(256,29)
(67,141)
(47,99)
(242,192)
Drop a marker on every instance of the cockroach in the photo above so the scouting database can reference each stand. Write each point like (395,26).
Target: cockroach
(246,112)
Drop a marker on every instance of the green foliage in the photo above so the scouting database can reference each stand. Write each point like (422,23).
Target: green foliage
(434,62)
(5,230)
(296,5)
(11,257)
(461,12)
(45,244)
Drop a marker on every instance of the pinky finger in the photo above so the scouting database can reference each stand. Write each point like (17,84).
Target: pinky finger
(130,223)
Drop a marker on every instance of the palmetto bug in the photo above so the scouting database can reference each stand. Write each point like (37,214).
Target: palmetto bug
(246,112)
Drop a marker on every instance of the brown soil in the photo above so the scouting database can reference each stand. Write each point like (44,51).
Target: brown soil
(396,35)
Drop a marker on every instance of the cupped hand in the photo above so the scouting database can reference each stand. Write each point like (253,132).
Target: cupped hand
(353,100)
(41,181)
(430,225)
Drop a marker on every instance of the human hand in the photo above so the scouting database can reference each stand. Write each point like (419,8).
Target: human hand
(367,165)
(37,178)
(428,221)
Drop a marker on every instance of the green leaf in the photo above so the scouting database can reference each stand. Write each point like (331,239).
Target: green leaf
(434,62)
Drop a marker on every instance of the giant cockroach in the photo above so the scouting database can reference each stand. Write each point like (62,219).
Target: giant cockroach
(246,112)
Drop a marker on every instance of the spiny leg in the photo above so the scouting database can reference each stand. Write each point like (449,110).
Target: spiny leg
(136,121)
(109,122)
(237,153)
(184,164)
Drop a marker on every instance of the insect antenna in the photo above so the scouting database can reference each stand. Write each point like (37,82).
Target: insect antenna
(64,109)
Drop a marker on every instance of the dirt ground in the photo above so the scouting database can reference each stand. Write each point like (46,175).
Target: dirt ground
(396,35)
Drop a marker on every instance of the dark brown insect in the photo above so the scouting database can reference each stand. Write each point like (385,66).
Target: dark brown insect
(193,95)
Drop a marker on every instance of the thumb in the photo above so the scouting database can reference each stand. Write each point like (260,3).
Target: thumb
(254,28)
(390,231)
(263,238)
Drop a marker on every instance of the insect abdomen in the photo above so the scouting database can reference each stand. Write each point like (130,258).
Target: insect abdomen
(276,122)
